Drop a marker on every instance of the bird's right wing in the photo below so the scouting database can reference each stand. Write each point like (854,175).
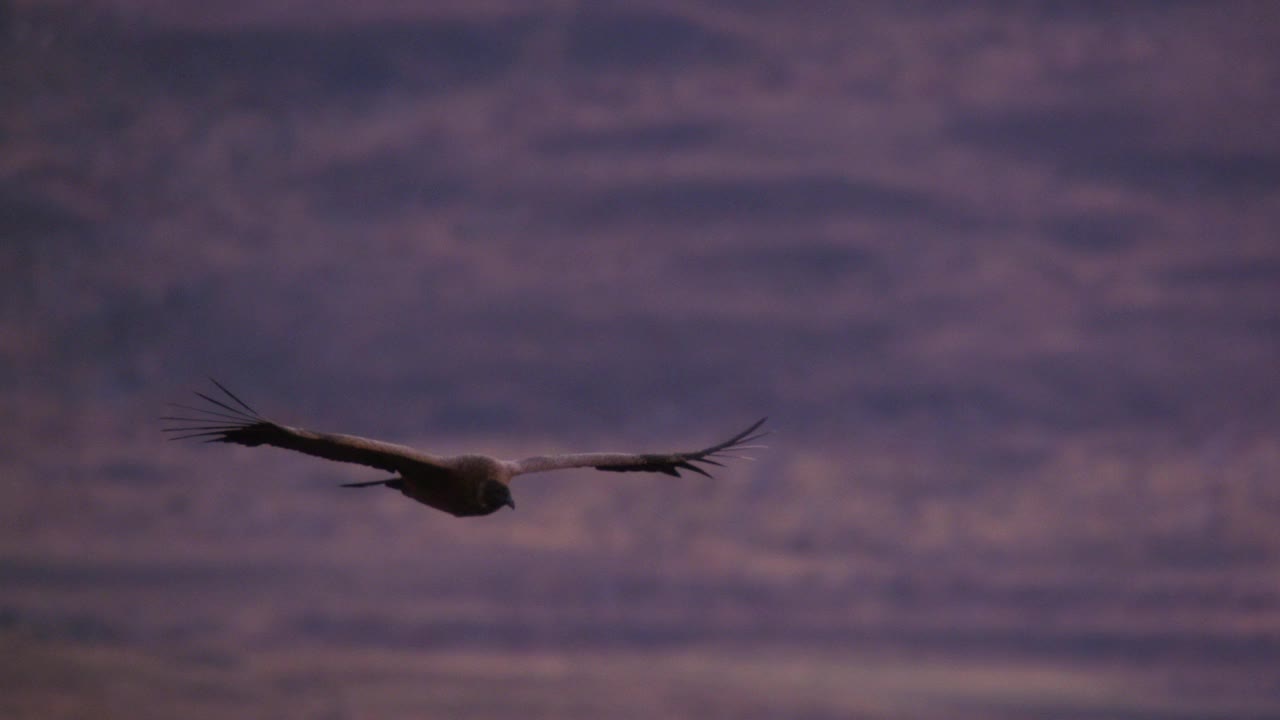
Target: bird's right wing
(231,420)
(666,463)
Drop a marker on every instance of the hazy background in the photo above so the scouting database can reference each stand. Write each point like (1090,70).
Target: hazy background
(1004,275)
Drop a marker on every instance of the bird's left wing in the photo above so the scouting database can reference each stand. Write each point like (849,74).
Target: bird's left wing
(668,463)
(231,420)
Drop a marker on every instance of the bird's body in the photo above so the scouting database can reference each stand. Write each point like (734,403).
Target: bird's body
(466,486)
(463,485)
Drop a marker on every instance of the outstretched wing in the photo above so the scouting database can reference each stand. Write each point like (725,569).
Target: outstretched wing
(668,463)
(231,420)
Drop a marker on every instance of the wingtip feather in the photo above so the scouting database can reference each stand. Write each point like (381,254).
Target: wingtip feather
(233,396)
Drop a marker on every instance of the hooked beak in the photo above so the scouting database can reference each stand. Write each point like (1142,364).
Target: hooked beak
(511,503)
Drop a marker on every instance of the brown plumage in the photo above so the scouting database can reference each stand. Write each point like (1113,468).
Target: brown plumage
(463,485)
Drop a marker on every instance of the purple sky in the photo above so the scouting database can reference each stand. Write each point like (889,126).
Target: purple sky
(1005,276)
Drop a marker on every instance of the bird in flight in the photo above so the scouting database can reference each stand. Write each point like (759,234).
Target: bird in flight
(462,485)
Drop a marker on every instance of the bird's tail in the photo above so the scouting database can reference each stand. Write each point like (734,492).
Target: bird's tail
(393,483)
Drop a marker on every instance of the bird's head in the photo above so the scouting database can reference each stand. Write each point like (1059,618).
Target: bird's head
(495,495)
